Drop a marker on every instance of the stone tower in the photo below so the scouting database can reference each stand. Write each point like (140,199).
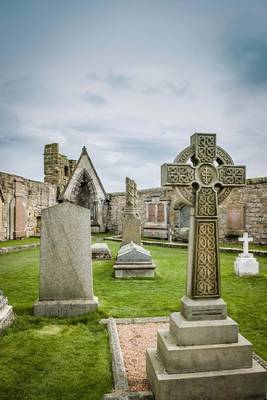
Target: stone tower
(57,167)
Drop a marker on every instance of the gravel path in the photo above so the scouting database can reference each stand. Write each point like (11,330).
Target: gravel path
(134,340)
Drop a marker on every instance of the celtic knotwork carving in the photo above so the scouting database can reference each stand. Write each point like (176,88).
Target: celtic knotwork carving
(185,155)
(180,174)
(131,192)
(232,175)
(206,202)
(224,194)
(206,148)
(206,272)
(187,193)
(223,157)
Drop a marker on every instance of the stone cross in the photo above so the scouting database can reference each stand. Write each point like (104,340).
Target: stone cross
(203,183)
(245,239)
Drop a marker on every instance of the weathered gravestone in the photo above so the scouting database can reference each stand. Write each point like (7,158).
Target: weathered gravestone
(245,263)
(132,260)
(7,315)
(203,356)
(100,251)
(66,281)
(131,228)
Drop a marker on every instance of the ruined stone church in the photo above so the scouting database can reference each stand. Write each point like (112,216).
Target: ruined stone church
(162,210)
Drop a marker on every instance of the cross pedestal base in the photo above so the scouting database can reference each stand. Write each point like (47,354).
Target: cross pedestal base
(246,266)
(202,309)
(204,359)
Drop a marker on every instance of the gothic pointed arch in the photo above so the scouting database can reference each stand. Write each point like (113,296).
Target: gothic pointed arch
(83,192)
(85,189)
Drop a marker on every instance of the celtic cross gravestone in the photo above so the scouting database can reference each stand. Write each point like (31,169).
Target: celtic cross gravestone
(202,355)
(203,183)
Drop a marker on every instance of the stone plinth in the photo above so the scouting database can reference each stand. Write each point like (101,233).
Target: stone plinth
(246,265)
(100,251)
(133,261)
(204,359)
(7,315)
(66,282)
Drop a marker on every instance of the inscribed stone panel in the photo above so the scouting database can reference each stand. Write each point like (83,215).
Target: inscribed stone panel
(151,213)
(235,218)
(160,216)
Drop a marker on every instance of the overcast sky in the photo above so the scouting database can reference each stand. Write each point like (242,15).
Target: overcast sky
(131,81)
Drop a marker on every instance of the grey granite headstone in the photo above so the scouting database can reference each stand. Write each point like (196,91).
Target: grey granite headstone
(66,281)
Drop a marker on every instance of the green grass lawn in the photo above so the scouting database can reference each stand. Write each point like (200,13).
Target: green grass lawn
(19,242)
(66,359)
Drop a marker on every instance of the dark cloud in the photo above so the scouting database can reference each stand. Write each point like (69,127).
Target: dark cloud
(247,57)
(93,98)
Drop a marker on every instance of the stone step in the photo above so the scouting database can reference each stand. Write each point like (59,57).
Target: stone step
(190,333)
(239,384)
(134,270)
(215,357)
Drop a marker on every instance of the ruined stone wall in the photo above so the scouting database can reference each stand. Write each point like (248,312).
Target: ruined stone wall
(57,167)
(21,205)
(117,203)
(253,197)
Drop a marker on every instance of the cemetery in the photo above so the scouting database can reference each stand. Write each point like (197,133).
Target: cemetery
(90,314)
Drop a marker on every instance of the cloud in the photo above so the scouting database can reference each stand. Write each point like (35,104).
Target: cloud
(119,81)
(22,89)
(93,99)
(247,59)
(114,80)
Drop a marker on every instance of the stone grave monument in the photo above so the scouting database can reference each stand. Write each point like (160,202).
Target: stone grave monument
(100,251)
(202,355)
(131,227)
(66,280)
(245,263)
(132,260)
(7,315)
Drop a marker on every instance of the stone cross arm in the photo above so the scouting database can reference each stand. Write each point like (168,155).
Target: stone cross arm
(184,174)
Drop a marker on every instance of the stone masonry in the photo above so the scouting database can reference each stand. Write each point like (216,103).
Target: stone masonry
(250,202)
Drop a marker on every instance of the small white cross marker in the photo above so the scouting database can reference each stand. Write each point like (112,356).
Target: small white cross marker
(245,239)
